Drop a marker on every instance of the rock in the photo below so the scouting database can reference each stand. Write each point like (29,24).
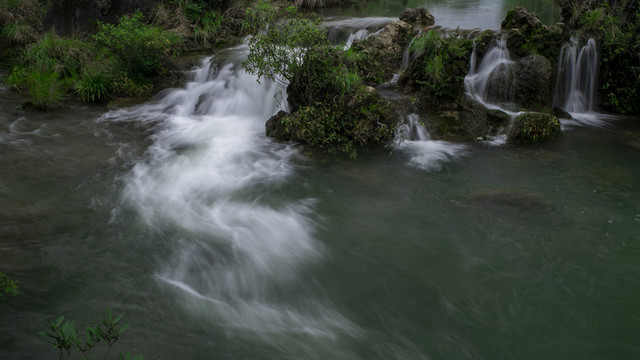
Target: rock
(497,118)
(516,42)
(534,127)
(274,128)
(392,35)
(521,19)
(560,113)
(417,17)
(483,42)
(532,82)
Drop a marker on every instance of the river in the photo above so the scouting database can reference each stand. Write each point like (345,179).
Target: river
(219,243)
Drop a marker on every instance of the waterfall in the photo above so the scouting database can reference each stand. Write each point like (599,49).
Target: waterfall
(426,154)
(576,83)
(204,192)
(491,82)
(347,31)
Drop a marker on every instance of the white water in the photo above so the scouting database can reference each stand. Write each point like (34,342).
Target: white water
(576,83)
(353,29)
(203,185)
(426,154)
(491,82)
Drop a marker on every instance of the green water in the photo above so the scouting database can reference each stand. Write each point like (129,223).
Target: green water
(466,14)
(219,244)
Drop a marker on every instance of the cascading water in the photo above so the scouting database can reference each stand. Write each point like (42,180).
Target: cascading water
(425,153)
(577,79)
(491,82)
(347,31)
(206,185)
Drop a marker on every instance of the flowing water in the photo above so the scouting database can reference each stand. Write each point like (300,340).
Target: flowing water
(219,243)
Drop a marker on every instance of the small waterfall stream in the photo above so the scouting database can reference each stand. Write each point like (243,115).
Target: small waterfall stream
(425,153)
(491,81)
(206,181)
(576,84)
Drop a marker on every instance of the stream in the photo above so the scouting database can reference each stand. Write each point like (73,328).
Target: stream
(219,243)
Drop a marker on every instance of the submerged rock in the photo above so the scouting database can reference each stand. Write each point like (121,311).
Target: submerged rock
(507,200)
(534,127)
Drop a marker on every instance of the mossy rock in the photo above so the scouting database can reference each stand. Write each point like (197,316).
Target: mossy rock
(533,80)
(531,127)
(521,19)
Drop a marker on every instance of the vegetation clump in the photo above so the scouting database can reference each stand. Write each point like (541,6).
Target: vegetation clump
(531,128)
(7,287)
(439,66)
(331,106)
(119,60)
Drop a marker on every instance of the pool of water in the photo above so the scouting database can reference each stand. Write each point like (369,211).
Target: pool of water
(466,14)
(219,243)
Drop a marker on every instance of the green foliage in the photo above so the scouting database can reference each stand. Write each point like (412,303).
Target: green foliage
(19,34)
(127,87)
(538,128)
(63,336)
(258,15)
(331,107)
(209,27)
(140,49)
(440,64)
(7,287)
(94,87)
(57,54)
(593,19)
(44,88)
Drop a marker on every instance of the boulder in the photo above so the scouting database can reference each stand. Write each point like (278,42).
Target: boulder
(534,127)
(532,81)
(392,35)
(274,127)
(560,113)
(521,19)
(417,17)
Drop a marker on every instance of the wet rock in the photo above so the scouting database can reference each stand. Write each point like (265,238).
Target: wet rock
(417,17)
(507,200)
(534,127)
(497,118)
(532,81)
(483,42)
(392,36)
(519,18)
(560,113)
(516,43)
(275,129)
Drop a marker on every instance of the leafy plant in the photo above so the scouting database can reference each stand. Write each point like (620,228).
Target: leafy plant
(7,287)
(139,48)
(259,15)
(63,336)
(44,88)
(94,87)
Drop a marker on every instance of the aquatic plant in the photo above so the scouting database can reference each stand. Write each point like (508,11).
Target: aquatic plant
(7,287)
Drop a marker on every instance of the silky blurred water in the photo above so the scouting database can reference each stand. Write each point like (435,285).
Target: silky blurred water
(219,243)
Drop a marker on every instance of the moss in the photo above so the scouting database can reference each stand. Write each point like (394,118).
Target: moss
(532,128)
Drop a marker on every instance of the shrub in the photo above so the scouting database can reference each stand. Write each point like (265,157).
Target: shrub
(260,14)
(332,109)
(53,53)
(44,88)
(19,34)
(63,336)
(7,287)
(94,87)
(140,49)
(440,64)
